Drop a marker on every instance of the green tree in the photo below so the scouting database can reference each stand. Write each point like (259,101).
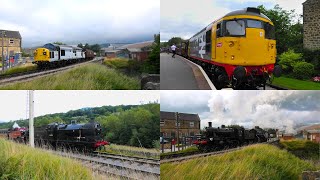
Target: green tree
(288,30)
(80,45)
(152,65)
(59,43)
(175,40)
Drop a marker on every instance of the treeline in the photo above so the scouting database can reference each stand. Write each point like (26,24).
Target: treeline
(134,125)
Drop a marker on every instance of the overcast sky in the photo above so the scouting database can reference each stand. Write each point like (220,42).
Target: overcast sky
(180,18)
(267,109)
(13,104)
(75,21)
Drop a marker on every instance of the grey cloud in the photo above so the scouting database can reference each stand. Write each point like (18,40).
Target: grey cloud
(41,22)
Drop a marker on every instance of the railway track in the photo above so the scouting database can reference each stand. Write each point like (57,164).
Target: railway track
(123,166)
(18,77)
(198,155)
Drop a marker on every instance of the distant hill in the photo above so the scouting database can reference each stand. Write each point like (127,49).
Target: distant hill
(254,162)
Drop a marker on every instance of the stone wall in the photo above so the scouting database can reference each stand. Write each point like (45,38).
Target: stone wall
(311,24)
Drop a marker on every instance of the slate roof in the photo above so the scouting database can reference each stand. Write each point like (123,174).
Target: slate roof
(183,116)
(137,45)
(12,34)
(313,131)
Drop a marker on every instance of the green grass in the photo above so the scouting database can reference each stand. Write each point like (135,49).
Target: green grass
(20,69)
(116,63)
(189,150)
(89,77)
(255,162)
(296,84)
(132,151)
(22,162)
(304,149)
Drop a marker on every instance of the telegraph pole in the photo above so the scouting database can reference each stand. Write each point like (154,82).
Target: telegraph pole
(31,115)
(177,121)
(2,35)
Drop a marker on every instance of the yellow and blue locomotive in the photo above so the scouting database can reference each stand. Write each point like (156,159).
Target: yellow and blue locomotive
(237,49)
(59,55)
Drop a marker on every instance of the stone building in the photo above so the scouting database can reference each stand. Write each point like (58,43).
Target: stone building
(311,24)
(189,125)
(11,41)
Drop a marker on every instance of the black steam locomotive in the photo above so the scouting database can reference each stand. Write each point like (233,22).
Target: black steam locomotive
(228,137)
(80,136)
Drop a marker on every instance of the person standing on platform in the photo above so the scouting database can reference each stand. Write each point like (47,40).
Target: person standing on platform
(173,49)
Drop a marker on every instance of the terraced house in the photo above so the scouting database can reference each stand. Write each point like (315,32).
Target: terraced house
(11,42)
(189,125)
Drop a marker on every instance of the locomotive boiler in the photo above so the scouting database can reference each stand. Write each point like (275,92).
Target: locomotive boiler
(228,137)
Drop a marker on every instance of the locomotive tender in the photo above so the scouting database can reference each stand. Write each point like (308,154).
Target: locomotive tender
(53,55)
(228,137)
(237,49)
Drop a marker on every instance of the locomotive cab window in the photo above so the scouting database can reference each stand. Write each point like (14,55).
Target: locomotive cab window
(235,28)
(219,30)
(254,24)
(63,52)
(270,31)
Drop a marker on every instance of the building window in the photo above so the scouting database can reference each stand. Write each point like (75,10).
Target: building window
(173,134)
(191,124)
(11,41)
(179,124)
(161,123)
(191,133)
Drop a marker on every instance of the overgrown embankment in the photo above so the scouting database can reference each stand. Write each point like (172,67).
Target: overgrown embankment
(254,162)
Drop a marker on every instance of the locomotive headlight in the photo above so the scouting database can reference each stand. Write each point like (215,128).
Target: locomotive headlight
(232,57)
(211,139)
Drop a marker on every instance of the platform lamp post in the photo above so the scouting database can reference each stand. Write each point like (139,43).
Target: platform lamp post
(31,116)
(3,34)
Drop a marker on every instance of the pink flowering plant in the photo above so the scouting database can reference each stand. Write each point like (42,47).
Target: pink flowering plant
(316,79)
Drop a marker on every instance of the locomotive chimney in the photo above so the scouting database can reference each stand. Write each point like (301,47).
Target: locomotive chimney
(223,126)
(210,124)
(73,122)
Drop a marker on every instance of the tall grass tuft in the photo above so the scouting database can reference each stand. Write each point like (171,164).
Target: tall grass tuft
(116,63)
(303,149)
(89,77)
(22,162)
(19,69)
(254,162)
(132,151)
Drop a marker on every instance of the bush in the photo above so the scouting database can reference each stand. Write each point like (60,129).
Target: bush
(312,57)
(289,59)
(303,70)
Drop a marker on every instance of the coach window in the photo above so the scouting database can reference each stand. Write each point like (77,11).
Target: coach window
(63,52)
(208,41)
(235,28)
